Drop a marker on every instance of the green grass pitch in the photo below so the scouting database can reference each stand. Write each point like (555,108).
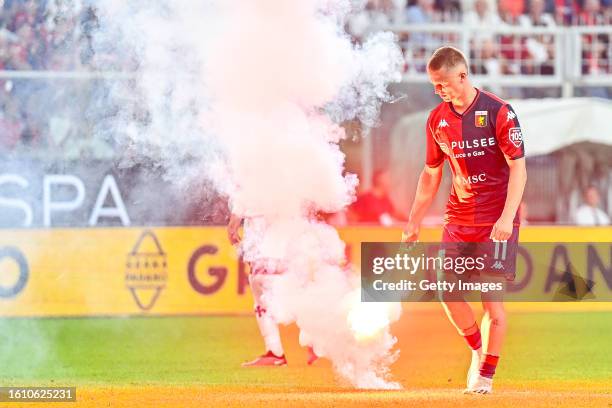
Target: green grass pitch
(549,358)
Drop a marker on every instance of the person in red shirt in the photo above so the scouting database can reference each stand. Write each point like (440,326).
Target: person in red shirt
(375,206)
(480,136)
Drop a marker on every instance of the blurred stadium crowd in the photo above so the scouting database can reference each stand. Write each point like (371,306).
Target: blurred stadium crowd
(42,115)
(525,13)
(45,35)
(41,35)
(38,36)
(490,53)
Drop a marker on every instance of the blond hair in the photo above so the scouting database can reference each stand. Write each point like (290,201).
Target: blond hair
(446,57)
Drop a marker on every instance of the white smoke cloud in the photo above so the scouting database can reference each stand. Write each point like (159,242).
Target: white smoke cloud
(250,94)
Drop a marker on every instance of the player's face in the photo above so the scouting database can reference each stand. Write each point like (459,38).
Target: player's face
(448,83)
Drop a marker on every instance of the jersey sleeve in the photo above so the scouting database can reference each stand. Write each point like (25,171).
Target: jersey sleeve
(509,133)
(435,155)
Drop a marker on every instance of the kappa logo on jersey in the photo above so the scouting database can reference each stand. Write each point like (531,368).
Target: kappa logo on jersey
(511,115)
(516,136)
(481,118)
(443,123)
(497,265)
(444,148)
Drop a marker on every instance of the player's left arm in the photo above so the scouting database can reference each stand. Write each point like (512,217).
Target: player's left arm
(502,230)
(510,139)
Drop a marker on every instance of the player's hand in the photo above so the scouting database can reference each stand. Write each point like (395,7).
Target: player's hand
(502,229)
(233,229)
(411,232)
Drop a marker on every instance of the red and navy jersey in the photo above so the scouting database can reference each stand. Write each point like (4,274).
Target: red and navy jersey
(476,144)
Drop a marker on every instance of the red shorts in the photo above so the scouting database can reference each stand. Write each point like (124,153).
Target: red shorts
(474,241)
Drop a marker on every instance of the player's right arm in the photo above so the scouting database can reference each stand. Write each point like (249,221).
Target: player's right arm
(428,185)
(233,229)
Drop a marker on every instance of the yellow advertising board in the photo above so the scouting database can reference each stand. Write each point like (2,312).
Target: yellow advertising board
(123,271)
(160,271)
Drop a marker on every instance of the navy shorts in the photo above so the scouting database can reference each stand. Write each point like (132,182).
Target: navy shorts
(499,258)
